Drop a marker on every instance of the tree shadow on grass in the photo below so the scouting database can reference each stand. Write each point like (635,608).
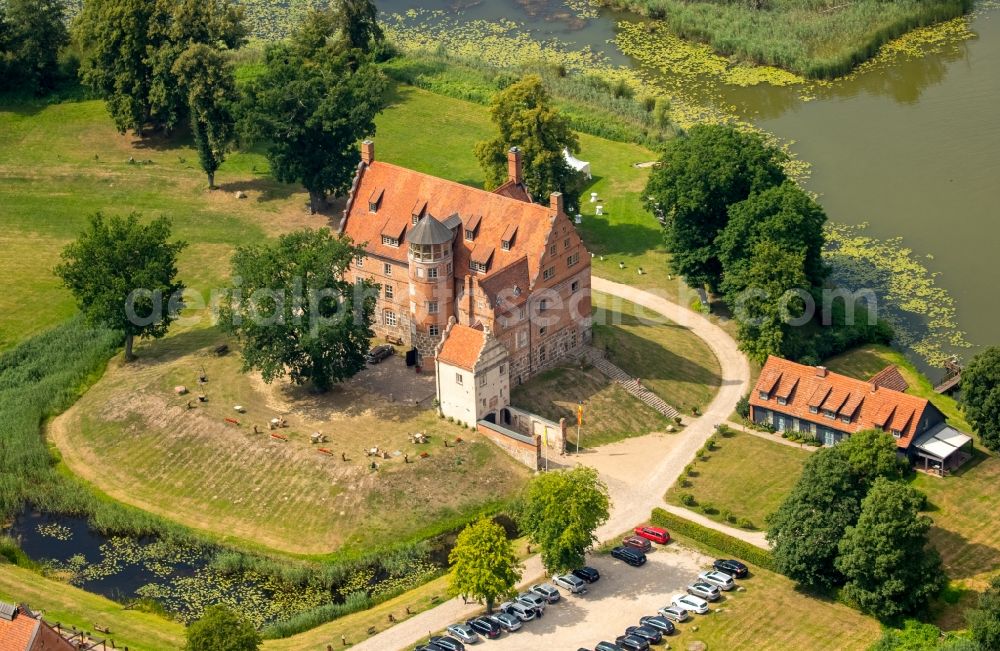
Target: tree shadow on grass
(267,187)
(606,238)
(962,558)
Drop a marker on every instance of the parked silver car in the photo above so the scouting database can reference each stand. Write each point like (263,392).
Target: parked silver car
(720,580)
(532,600)
(690,603)
(546,591)
(519,610)
(675,613)
(507,621)
(464,633)
(704,590)
(571,583)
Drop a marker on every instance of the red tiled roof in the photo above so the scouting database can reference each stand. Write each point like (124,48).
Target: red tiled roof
(18,634)
(462,346)
(890,378)
(871,406)
(403,189)
(514,190)
(510,284)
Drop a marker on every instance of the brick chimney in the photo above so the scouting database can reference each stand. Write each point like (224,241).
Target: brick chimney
(515,169)
(368,152)
(556,202)
(820,371)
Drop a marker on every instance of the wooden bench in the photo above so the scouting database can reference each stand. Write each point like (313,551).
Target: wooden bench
(395,341)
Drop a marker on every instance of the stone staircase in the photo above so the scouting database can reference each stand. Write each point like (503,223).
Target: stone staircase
(630,384)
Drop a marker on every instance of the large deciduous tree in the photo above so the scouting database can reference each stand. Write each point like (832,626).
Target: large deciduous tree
(204,74)
(294,312)
(123,274)
(783,214)
(220,629)
(981,396)
(483,563)
(807,527)
(984,620)
(700,176)
(890,568)
(773,300)
(131,46)
(560,512)
(873,454)
(32,32)
(311,105)
(525,118)
(356,21)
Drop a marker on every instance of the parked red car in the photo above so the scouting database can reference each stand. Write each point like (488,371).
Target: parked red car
(656,534)
(635,542)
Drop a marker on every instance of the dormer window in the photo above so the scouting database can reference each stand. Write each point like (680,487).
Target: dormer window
(517,290)
(505,245)
(813,410)
(829,414)
(846,418)
(418,211)
(479,267)
(763,395)
(375,200)
(507,239)
(472,227)
(390,241)
(782,401)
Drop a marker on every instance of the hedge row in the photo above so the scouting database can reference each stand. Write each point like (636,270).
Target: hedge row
(717,540)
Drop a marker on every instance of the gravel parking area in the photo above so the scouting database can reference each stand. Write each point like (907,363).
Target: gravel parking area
(619,599)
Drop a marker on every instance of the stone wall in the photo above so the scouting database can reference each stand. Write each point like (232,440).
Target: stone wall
(535,426)
(525,449)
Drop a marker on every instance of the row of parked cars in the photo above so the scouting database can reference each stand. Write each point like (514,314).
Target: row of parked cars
(513,614)
(651,629)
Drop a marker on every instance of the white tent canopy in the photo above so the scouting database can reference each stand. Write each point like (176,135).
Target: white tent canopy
(577,164)
(942,441)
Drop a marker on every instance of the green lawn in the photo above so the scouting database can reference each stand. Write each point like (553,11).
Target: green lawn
(745,475)
(611,414)
(669,359)
(72,606)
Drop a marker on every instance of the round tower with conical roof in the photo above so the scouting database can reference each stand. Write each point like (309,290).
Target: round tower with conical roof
(431,286)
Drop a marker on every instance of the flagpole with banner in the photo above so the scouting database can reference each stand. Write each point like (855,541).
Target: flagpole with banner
(579,423)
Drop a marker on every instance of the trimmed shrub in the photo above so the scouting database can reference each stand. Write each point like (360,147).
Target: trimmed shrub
(716,541)
(687,499)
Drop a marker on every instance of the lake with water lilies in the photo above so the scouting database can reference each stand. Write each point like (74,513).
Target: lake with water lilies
(908,144)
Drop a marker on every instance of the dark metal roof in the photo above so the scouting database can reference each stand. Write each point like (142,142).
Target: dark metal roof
(429,231)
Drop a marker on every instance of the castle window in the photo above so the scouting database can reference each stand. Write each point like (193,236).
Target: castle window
(432,307)
(542,330)
(543,305)
(566,243)
(432,272)
(503,369)
(390,241)
(359,261)
(389,291)
(548,273)
(434,330)
(447,269)
(572,260)
(458,379)
(482,380)
(387,269)
(552,249)
(574,286)
(541,354)
(389,317)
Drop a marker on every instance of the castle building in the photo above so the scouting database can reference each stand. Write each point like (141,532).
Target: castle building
(495,262)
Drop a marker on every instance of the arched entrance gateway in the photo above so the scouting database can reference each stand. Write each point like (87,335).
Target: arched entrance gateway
(505,418)
(491,417)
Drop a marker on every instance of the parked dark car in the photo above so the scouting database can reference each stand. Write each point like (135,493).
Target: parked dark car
(447,642)
(485,627)
(637,542)
(659,622)
(607,646)
(647,633)
(632,556)
(587,573)
(380,352)
(731,567)
(632,643)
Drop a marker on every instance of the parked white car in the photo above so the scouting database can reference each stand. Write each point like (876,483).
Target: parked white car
(546,591)
(690,603)
(571,583)
(720,580)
